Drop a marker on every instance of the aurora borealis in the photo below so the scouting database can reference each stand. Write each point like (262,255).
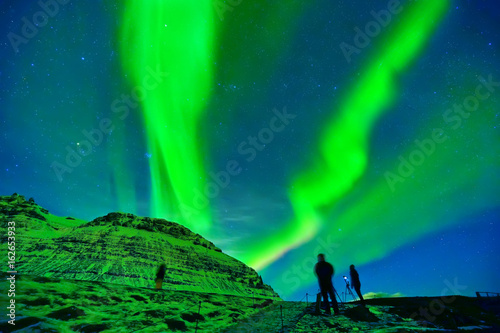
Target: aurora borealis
(343,146)
(388,159)
(174,37)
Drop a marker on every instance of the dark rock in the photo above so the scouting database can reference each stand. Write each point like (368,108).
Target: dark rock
(116,299)
(192,317)
(147,323)
(98,299)
(214,314)
(68,313)
(138,298)
(360,313)
(91,328)
(174,325)
(155,313)
(21,322)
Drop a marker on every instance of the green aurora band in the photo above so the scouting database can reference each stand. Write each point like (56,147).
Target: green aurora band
(371,228)
(174,37)
(343,147)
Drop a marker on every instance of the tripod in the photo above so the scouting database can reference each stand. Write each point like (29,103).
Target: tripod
(326,302)
(336,293)
(348,290)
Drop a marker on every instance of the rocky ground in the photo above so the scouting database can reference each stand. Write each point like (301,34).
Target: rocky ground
(461,314)
(59,305)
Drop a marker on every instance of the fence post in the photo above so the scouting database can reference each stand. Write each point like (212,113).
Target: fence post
(199,310)
(282,328)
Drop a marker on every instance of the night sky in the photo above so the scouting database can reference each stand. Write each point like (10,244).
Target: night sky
(368,132)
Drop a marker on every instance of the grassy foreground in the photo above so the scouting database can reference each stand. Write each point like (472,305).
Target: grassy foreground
(58,305)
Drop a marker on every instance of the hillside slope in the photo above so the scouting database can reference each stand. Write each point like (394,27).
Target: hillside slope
(122,248)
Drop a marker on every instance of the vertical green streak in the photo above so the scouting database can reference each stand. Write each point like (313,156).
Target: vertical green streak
(173,37)
(343,148)
(123,180)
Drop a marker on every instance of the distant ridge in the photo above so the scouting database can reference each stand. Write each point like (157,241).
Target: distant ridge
(123,248)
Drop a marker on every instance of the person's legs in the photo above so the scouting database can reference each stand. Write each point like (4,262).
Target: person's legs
(358,291)
(324,293)
(334,300)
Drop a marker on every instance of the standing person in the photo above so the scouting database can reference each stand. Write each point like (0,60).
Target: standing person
(160,275)
(324,272)
(356,284)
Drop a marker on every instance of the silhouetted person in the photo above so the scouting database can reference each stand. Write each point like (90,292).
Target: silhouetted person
(160,275)
(324,272)
(356,284)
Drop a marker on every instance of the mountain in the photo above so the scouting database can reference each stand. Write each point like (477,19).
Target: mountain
(123,249)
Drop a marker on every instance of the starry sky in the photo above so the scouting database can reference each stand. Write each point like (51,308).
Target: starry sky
(368,132)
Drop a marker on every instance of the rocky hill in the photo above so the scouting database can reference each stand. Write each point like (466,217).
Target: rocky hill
(124,249)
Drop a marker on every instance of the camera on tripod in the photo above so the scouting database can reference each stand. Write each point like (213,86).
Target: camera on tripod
(348,289)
